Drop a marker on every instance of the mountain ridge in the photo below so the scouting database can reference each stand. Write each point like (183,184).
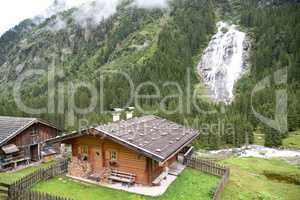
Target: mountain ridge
(157,46)
(157,43)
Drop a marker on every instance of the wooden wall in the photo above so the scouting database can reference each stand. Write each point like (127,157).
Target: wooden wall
(128,160)
(25,138)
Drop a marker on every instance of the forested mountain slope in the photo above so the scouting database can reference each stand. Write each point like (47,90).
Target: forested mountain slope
(155,44)
(274,27)
(158,45)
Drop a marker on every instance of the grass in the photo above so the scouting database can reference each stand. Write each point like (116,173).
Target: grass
(190,185)
(293,140)
(259,139)
(248,181)
(10,177)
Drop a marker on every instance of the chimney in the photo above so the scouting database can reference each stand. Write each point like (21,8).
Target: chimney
(129,112)
(117,114)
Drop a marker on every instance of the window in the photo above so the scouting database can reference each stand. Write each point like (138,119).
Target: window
(113,155)
(83,151)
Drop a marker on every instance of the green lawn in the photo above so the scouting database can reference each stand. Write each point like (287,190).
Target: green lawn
(247,180)
(293,141)
(190,185)
(10,177)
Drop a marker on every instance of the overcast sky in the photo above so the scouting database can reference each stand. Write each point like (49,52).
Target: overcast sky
(14,11)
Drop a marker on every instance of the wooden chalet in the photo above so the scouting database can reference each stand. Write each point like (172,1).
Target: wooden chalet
(22,141)
(137,150)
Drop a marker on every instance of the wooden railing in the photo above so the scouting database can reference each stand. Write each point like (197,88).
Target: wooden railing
(213,168)
(20,189)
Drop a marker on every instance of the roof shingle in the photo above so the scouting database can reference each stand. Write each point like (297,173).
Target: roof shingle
(11,125)
(155,135)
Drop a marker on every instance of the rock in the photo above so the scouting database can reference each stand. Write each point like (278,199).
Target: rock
(19,68)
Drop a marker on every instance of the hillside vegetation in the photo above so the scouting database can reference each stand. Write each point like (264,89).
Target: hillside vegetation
(157,45)
(272,27)
(154,45)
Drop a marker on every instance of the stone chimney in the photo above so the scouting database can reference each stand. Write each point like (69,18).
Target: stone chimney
(117,114)
(129,112)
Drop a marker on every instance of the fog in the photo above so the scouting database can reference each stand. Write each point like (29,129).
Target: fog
(93,12)
(14,11)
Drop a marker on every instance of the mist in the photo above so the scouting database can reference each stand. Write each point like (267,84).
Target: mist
(163,4)
(91,13)
(38,11)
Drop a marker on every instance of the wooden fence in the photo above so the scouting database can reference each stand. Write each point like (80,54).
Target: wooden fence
(213,168)
(32,195)
(221,185)
(20,189)
(4,190)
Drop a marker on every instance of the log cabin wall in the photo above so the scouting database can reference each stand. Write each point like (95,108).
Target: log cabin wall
(27,137)
(126,159)
(30,142)
(31,139)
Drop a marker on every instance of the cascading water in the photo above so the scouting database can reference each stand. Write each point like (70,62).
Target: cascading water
(223,61)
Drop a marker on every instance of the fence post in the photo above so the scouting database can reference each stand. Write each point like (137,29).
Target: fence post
(214,169)
(20,188)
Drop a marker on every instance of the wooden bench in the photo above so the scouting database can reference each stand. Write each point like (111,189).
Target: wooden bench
(123,177)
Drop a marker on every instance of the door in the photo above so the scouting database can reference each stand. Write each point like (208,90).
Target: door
(96,159)
(34,152)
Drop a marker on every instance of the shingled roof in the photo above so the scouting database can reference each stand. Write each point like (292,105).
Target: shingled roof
(151,134)
(12,126)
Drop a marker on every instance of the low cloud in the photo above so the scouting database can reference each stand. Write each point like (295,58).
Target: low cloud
(58,24)
(56,7)
(91,13)
(149,4)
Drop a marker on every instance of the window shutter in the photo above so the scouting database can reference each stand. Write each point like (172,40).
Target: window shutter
(107,155)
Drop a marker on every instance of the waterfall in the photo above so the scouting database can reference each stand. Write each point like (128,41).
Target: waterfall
(223,61)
